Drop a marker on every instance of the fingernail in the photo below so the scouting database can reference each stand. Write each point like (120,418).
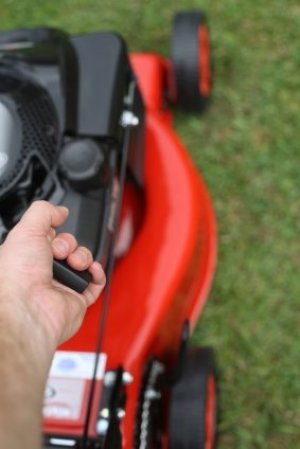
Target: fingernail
(83,256)
(64,209)
(61,245)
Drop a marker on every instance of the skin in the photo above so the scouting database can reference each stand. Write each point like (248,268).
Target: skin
(36,315)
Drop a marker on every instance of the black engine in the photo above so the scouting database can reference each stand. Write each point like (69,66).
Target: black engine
(30,139)
(71,128)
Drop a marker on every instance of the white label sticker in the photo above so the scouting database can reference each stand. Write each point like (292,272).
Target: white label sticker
(63,399)
(77,365)
(69,377)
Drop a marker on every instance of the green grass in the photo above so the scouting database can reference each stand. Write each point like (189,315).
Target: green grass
(247,148)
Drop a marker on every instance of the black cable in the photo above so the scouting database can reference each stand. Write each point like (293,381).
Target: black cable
(109,273)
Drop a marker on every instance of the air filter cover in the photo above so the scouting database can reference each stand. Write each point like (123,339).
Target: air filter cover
(28,128)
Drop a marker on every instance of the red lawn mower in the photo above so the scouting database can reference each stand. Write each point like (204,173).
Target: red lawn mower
(87,126)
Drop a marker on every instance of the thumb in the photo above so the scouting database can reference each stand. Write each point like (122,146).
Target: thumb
(41,216)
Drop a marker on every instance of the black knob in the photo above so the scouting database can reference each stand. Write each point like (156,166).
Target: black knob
(83,163)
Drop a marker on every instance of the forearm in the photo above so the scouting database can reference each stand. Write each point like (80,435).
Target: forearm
(36,315)
(24,366)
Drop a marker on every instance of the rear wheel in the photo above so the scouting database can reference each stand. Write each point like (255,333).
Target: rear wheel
(190,61)
(193,406)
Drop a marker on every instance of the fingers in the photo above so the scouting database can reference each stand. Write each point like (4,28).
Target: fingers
(98,274)
(79,258)
(63,245)
(98,283)
(40,219)
(82,259)
(51,235)
(41,216)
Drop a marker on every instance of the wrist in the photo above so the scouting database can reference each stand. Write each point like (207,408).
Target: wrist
(26,355)
(26,337)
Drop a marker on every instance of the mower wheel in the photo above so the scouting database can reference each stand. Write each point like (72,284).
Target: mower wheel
(193,403)
(190,61)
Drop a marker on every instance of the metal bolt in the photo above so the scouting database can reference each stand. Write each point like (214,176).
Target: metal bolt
(121,413)
(129,119)
(104,413)
(110,378)
(127,378)
(102,426)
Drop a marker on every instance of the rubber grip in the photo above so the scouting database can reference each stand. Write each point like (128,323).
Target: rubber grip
(77,280)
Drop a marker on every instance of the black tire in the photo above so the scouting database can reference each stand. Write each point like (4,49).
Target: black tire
(193,403)
(190,58)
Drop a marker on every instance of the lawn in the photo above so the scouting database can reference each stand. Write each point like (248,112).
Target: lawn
(247,148)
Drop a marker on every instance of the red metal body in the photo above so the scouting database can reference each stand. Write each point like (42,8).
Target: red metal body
(165,276)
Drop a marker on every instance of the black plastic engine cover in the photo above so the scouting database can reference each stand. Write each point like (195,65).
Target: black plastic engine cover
(103,74)
(87,84)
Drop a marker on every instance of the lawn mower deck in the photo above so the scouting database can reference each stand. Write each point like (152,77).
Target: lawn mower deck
(139,204)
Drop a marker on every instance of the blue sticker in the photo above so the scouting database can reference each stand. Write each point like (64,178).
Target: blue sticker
(67,365)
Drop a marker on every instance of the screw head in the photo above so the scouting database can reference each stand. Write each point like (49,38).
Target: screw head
(109,378)
(104,413)
(102,426)
(121,413)
(127,378)
(128,118)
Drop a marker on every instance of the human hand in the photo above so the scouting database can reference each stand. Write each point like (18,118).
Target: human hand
(33,300)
